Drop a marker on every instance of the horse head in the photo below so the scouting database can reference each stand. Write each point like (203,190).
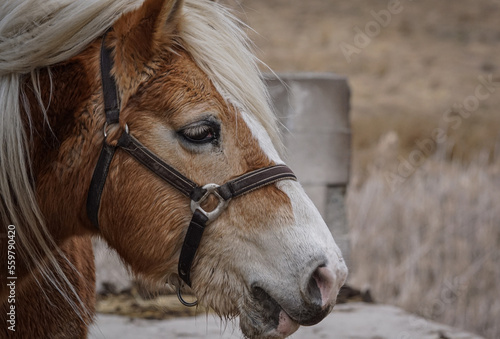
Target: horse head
(190,93)
(269,257)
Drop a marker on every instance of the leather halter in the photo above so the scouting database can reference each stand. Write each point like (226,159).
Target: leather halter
(198,194)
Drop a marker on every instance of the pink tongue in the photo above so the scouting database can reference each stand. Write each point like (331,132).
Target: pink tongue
(286,325)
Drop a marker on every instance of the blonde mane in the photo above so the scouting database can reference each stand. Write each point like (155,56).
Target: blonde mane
(35,34)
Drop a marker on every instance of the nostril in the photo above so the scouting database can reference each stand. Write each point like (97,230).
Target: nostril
(321,286)
(314,291)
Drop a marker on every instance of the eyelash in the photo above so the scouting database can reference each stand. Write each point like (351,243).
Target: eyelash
(202,133)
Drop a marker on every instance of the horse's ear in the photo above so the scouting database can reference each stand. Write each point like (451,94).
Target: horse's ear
(138,34)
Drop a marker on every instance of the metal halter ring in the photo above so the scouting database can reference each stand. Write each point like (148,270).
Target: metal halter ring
(210,189)
(184,302)
(105,129)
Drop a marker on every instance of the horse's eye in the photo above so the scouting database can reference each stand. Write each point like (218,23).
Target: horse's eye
(202,133)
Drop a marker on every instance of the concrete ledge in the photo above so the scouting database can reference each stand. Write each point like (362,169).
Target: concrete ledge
(314,109)
(348,321)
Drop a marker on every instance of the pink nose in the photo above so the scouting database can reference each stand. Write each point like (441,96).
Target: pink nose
(320,293)
(325,282)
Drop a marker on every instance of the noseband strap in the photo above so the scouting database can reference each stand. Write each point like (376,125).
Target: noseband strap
(198,194)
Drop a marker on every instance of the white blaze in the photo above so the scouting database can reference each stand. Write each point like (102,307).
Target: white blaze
(310,232)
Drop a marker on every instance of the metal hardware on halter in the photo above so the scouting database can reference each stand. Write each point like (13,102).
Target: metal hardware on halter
(221,206)
(105,129)
(181,299)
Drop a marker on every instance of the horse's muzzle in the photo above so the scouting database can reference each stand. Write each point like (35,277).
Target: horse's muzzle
(283,308)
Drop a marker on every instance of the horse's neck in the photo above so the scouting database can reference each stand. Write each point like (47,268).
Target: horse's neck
(62,151)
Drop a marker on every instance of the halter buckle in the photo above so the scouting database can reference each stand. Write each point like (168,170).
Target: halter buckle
(212,215)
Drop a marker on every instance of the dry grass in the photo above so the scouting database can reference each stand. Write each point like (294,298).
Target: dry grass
(478,134)
(431,243)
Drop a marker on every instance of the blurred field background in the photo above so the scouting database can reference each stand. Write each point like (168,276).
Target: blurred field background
(424,198)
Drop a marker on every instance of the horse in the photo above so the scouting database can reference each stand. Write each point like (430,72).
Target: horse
(147,124)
